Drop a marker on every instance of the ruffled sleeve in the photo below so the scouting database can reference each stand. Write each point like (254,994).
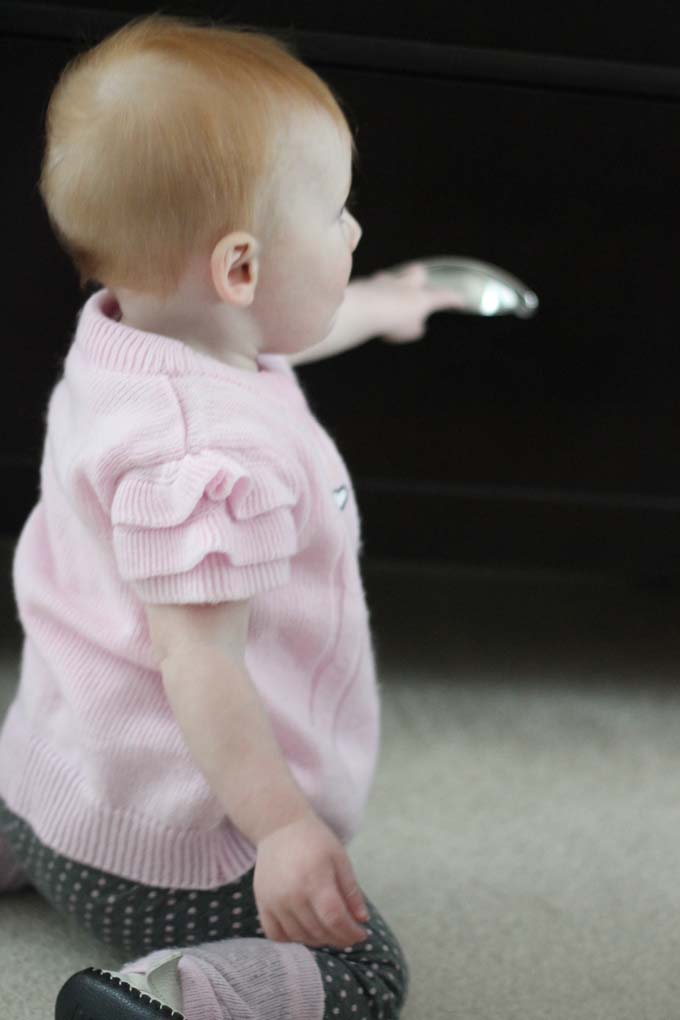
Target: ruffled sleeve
(208,527)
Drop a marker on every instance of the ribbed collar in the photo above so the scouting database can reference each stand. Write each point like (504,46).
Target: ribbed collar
(125,349)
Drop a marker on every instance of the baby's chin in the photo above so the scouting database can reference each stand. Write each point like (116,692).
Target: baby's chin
(334,317)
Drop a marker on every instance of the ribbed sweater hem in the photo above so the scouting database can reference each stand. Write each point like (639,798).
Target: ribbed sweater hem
(117,841)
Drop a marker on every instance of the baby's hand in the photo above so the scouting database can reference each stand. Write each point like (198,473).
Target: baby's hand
(305,888)
(401,300)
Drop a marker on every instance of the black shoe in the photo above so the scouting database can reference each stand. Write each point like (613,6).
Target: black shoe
(95,994)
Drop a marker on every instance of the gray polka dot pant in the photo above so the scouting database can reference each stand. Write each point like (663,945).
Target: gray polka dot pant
(368,981)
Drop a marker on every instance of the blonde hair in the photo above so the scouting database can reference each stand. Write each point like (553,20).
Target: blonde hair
(163,138)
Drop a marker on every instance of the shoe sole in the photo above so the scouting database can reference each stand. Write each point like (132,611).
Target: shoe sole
(94,995)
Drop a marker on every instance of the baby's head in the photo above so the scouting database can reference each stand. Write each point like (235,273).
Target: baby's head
(200,173)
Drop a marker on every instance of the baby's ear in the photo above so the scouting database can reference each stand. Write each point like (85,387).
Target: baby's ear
(235,267)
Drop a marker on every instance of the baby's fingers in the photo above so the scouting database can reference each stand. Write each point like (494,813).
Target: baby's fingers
(335,917)
(273,927)
(315,934)
(415,272)
(300,925)
(349,887)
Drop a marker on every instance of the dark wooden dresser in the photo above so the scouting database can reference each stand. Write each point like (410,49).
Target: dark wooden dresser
(548,145)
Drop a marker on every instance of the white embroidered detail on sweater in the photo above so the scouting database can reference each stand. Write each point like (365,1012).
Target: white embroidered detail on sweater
(341,496)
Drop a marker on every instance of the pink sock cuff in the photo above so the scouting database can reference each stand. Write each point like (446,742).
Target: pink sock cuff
(199,1000)
(251,979)
(305,985)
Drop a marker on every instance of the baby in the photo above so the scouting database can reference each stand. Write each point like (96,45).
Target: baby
(196,727)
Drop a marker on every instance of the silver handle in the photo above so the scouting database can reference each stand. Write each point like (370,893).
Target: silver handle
(484,289)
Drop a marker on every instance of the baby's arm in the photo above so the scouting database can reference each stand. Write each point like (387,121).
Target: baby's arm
(392,304)
(200,651)
(304,884)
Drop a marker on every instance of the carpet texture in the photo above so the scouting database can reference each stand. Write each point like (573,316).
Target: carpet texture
(523,833)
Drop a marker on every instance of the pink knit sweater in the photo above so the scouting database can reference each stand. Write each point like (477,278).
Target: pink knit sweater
(168,476)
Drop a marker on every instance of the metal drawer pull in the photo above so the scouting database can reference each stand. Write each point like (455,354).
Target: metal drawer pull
(484,289)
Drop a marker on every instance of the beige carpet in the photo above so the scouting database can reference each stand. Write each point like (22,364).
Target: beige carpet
(523,834)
